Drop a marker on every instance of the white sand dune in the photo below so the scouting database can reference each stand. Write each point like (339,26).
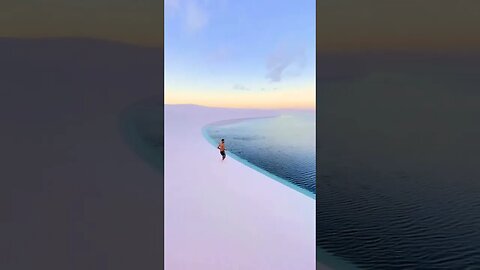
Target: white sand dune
(225,215)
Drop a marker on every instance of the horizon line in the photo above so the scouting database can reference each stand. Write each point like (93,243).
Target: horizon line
(248,108)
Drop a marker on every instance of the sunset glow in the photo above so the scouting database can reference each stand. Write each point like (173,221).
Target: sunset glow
(227,54)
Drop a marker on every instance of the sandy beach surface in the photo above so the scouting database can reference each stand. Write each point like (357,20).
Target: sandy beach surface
(225,215)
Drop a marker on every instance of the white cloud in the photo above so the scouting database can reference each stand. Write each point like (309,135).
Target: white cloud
(240,87)
(285,63)
(196,16)
(192,14)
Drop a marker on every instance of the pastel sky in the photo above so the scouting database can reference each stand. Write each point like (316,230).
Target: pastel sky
(252,53)
(343,25)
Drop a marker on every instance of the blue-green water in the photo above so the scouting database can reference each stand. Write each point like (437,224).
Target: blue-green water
(283,146)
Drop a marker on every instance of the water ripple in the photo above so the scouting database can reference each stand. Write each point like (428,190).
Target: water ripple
(392,226)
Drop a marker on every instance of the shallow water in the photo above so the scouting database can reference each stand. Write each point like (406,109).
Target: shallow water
(283,146)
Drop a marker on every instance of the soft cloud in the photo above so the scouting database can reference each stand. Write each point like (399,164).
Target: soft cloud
(268,89)
(284,63)
(240,87)
(192,14)
(196,17)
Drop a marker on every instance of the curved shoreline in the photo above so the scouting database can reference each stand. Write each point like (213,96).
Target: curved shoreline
(223,215)
(325,260)
(263,192)
(253,166)
(132,130)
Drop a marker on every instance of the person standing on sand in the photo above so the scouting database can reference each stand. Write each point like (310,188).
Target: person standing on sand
(221,147)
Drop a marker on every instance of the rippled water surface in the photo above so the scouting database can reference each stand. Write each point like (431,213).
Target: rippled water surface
(283,146)
(399,179)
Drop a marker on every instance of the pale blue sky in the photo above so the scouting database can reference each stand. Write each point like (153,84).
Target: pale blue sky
(213,47)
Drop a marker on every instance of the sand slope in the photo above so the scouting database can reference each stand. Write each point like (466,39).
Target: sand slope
(224,215)
(73,195)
